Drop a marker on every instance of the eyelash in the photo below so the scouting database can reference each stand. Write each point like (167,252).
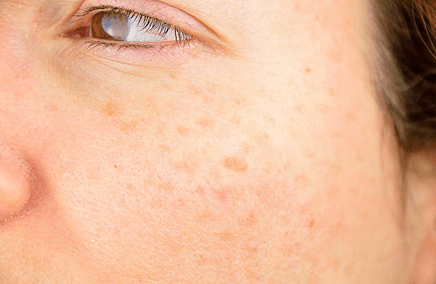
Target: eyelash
(149,24)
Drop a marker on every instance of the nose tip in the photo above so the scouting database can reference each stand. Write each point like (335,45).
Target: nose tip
(15,181)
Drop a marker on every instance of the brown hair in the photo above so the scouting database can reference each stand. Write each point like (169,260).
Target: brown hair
(405,72)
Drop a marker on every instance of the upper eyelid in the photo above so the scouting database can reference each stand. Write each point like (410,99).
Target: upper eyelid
(85,12)
(81,14)
(174,17)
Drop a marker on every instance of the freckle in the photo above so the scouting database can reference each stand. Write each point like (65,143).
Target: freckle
(312,223)
(309,154)
(324,109)
(263,138)
(110,109)
(51,107)
(335,54)
(351,117)
(93,176)
(372,182)
(164,148)
(200,191)
(308,70)
(288,251)
(348,269)
(300,108)
(251,250)
(175,247)
(302,181)
(128,127)
(172,75)
(332,93)
(188,166)
(160,130)
(235,120)
(250,147)
(236,164)
(167,187)
(206,99)
(183,131)
(334,169)
(130,187)
(222,196)
(167,87)
(205,123)
(262,91)
(201,261)
(241,102)
(336,264)
(226,236)
(204,216)
(249,221)
(115,166)
(297,6)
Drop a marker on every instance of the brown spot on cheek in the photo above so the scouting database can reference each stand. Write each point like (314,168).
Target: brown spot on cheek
(172,75)
(300,108)
(222,196)
(302,181)
(312,223)
(227,236)
(206,123)
(333,93)
(183,131)
(110,109)
(236,164)
(129,126)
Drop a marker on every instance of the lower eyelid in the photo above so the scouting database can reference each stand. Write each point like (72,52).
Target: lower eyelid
(143,55)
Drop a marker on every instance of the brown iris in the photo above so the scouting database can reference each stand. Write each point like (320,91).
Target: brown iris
(109,26)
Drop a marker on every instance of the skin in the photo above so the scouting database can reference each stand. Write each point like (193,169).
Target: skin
(260,155)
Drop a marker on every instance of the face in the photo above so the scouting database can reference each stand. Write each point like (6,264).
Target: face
(252,151)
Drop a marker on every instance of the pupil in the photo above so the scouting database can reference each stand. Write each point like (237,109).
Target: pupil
(109,26)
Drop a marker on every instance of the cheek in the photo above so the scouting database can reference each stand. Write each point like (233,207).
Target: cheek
(179,191)
(231,186)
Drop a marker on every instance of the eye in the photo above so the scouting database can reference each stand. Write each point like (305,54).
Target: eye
(116,25)
(133,28)
(144,37)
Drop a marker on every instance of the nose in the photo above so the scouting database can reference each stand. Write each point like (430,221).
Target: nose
(15,181)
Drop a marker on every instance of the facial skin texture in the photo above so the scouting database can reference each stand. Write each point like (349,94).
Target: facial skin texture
(260,156)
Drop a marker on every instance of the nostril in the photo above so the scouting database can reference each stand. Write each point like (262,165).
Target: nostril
(15,182)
